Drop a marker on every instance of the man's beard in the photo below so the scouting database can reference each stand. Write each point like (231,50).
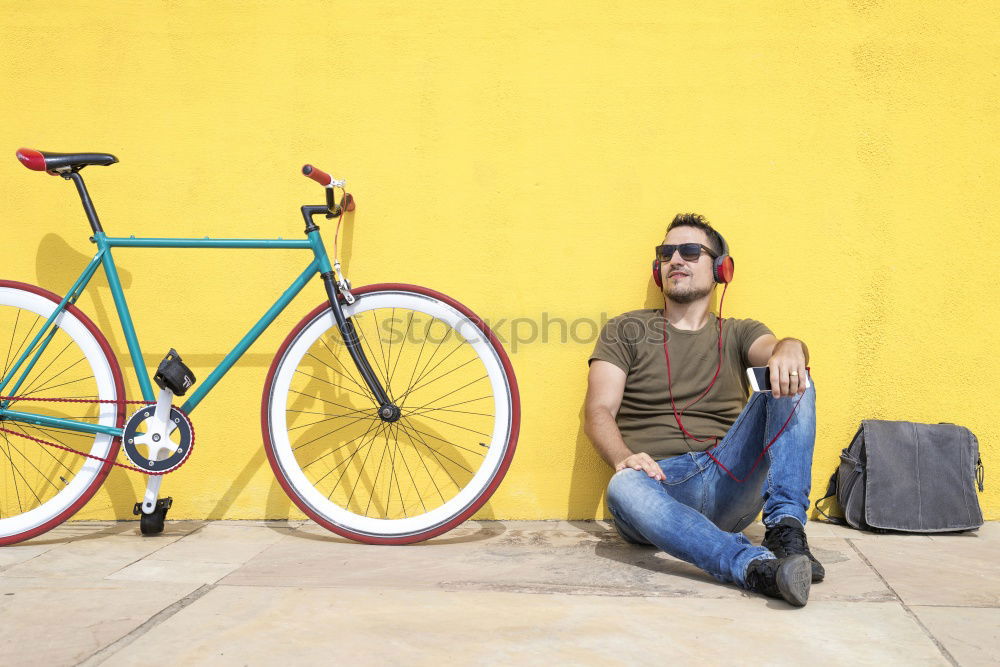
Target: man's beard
(686,295)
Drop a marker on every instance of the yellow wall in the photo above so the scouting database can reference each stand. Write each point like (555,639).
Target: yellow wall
(525,157)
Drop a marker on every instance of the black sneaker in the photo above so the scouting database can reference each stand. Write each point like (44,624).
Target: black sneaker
(783,578)
(788,538)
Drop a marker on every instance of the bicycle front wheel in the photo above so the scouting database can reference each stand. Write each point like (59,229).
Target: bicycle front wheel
(391,482)
(41,486)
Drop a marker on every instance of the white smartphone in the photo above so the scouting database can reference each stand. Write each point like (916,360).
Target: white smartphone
(760,378)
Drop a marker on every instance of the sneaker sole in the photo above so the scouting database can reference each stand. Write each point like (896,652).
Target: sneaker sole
(818,571)
(794,577)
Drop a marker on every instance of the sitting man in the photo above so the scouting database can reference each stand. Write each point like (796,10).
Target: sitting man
(665,408)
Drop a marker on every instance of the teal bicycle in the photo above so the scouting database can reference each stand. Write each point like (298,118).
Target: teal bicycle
(390,413)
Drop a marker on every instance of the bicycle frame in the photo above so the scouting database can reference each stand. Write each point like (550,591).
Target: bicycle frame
(320,264)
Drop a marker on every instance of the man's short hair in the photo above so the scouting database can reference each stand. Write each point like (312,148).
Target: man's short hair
(699,222)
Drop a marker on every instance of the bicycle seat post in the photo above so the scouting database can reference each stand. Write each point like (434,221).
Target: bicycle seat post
(88,204)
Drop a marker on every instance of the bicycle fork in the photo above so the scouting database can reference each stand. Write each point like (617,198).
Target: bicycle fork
(387,410)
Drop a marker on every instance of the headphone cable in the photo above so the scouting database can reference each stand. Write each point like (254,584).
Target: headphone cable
(718,370)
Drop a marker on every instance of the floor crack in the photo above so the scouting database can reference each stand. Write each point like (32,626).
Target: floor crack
(99,656)
(948,656)
(156,550)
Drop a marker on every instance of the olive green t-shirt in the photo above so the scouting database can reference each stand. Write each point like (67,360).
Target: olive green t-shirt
(634,343)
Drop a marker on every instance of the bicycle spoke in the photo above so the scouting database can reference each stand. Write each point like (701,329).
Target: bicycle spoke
(392,478)
(451,393)
(435,453)
(419,386)
(448,442)
(346,374)
(399,353)
(418,376)
(438,452)
(420,352)
(388,356)
(378,471)
(332,384)
(48,430)
(458,412)
(424,463)
(371,353)
(14,469)
(337,449)
(367,454)
(385,360)
(373,420)
(47,384)
(37,469)
(320,421)
(45,449)
(13,479)
(25,339)
(10,346)
(420,496)
(464,428)
(322,400)
(38,376)
(58,385)
(346,463)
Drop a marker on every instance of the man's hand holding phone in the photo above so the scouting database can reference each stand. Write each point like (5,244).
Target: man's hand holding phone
(787,365)
(760,380)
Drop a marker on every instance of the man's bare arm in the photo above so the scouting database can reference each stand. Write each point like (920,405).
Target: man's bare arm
(605,387)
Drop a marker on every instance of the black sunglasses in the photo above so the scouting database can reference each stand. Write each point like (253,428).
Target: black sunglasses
(690,252)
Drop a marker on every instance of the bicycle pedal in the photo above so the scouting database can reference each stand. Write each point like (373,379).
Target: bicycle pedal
(162,505)
(172,374)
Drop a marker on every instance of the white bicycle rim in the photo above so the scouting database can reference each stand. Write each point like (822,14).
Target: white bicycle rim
(104,378)
(400,527)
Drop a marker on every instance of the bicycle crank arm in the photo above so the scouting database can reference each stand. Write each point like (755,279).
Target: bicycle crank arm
(387,410)
(157,440)
(152,493)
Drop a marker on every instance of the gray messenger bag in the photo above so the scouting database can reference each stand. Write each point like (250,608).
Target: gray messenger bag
(915,478)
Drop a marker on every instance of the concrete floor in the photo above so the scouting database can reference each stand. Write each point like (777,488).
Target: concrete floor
(510,592)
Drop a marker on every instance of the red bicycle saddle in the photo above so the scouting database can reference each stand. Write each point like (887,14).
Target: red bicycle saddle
(50,162)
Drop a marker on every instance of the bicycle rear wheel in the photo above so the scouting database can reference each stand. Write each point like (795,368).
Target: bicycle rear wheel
(41,486)
(408,480)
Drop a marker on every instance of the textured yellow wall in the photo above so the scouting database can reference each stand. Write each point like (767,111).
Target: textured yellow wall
(524,157)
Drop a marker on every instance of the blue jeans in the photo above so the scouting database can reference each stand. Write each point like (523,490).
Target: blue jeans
(696,514)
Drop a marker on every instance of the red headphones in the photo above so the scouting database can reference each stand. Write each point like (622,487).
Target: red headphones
(722,267)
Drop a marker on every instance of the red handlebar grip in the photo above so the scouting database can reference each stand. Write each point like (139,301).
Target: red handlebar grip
(317,175)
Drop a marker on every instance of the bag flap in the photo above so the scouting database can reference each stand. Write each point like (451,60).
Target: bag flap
(920,477)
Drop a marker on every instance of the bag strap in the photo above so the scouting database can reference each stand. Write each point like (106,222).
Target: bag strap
(831,491)
(980,472)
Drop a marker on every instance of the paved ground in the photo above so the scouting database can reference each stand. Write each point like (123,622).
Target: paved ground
(255,593)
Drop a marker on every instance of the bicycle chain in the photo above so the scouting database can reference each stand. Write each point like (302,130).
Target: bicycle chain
(91,456)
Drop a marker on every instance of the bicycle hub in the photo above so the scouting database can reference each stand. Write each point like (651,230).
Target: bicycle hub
(389,413)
